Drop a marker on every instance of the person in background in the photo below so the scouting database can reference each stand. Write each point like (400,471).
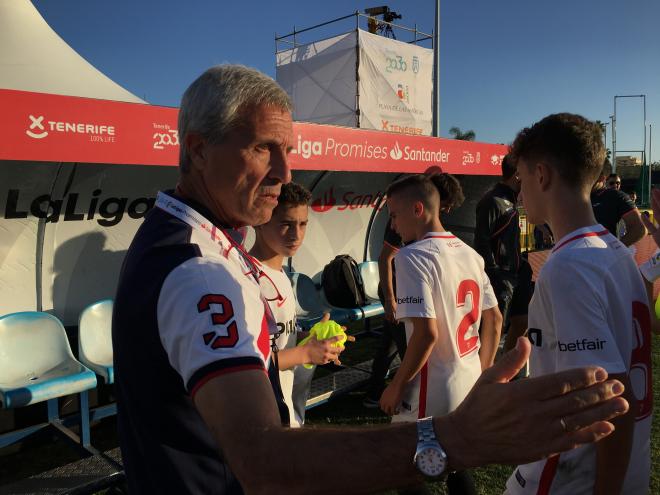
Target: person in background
(633,197)
(497,240)
(614,182)
(612,205)
(277,239)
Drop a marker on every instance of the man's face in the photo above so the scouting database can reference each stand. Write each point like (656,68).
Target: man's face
(402,216)
(244,173)
(614,183)
(530,193)
(285,232)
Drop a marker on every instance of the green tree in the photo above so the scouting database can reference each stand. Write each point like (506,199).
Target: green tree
(462,136)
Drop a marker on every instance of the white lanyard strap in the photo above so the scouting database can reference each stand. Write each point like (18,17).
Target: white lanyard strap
(217,236)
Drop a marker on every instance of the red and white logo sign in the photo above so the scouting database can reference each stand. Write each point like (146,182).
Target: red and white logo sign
(37,123)
(76,126)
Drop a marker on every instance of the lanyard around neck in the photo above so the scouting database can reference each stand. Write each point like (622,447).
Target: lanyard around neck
(216,235)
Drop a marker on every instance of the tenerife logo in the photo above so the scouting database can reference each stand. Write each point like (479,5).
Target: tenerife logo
(395,152)
(415,64)
(97,132)
(37,123)
(395,63)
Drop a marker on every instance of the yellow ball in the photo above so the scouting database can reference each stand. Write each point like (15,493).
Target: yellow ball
(325,330)
(657,308)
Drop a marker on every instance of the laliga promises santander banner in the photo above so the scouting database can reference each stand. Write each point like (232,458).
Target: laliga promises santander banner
(53,128)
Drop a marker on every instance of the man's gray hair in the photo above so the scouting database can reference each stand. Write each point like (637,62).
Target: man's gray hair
(214,103)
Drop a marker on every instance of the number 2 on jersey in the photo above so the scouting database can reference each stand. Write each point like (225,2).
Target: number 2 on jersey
(465,288)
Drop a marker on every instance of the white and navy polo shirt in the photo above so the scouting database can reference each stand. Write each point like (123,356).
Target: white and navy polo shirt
(590,308)
(185,311)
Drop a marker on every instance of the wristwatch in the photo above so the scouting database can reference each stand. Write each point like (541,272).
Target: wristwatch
(430,458)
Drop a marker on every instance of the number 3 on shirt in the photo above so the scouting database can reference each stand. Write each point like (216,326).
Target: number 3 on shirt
(467,345)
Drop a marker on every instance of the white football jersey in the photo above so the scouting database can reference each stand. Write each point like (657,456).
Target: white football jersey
(590,308)
(284,310)
(441,277)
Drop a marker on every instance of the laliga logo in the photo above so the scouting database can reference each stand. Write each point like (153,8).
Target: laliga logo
(37,123)
(308,148)
(325,202)
(395,152)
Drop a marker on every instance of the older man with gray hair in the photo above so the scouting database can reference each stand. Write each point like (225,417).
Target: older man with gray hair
(199,404)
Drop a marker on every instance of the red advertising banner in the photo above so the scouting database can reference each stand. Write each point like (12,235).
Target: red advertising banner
(43,127)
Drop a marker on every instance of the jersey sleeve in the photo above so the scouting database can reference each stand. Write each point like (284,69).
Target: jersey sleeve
(624,204)
(414,296)
(391,238)
(489,300)
(584,334)
(209,323)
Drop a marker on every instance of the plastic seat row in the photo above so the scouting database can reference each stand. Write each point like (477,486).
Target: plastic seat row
(312,303)
(37,365)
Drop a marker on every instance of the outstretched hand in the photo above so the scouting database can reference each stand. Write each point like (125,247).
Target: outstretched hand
(530,419)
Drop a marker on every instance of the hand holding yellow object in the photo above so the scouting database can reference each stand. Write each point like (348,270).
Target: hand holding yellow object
(326,329)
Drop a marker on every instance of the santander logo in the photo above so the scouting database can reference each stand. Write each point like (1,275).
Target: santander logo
(395,152)
(325,202)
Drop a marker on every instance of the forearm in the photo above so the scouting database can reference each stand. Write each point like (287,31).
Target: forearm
(417,353)
(385,275)
(366,460)
(490,340)
(613,453)
(635,229)
(288,358)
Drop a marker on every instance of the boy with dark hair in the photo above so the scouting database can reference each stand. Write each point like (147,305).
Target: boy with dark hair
(589,307)
(451,196)
(276,240)
(442,295)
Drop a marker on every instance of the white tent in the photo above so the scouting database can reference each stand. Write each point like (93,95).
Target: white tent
(34,58)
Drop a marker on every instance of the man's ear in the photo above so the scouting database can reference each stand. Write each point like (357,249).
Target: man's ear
(196,146)
(418,208)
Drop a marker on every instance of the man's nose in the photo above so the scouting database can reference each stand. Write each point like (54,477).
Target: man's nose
(279,166)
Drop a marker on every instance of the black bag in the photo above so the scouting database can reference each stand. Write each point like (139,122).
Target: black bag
(342,283)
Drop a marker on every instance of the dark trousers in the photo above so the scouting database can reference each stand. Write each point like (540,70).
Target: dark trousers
(392,340)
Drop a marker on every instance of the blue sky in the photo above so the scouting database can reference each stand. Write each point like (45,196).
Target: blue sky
(504,64)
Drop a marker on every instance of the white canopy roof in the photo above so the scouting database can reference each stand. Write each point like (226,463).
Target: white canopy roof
(34,58)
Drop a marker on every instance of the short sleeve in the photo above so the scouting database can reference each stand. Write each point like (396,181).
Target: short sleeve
(489,300)
(210,323)
(584,335)
(624,204)
(391,238)
(414,295)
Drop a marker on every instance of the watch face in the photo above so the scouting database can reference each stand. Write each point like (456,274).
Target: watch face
(431,461)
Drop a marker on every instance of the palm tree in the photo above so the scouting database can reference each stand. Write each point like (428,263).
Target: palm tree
(463,136)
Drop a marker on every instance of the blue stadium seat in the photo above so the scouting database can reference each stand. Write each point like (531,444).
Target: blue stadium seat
(95,339)
(36,365)
(370,277)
